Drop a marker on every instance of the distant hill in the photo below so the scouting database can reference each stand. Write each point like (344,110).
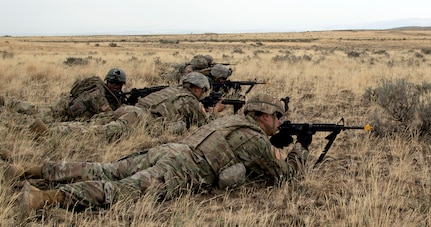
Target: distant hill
(411,28)
(399,24)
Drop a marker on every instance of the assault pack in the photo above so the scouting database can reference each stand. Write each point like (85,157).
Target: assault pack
(86,84)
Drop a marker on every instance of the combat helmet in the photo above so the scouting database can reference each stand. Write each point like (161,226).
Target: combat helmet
(116,75)
(264,103)
(220,71)
(199,62)
(209,59)
(197,79)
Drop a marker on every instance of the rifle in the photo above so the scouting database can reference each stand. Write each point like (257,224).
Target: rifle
(236,85)
(133,95)
(288,128)
(215,63)
(215,97)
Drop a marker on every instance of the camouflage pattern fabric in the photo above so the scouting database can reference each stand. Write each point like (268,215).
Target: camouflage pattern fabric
(173,109)
(87,104)
(194,163)
(174,104)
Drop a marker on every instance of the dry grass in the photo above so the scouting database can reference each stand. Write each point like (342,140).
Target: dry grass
(364,181)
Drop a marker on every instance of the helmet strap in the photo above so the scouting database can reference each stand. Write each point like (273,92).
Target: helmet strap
(272,128)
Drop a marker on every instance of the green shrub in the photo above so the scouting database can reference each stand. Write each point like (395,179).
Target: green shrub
(6,54)
(71,61)
(404,108)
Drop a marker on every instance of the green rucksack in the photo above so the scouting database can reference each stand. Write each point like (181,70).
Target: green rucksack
(86,84)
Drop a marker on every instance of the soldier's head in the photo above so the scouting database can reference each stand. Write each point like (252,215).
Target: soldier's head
(115,79)
(197,83)
(220,73)
(267,110)
(199,62)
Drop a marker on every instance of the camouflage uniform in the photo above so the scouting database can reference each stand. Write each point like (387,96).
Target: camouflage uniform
(199,63)
(90,96)
(173,108)
(88,103)
(197,162)
(220,73)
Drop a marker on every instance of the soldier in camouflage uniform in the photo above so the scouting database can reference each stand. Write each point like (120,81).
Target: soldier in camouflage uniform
(219,75)
(199,63)
(174,109)
(219,154)
(91,96)
(100,97)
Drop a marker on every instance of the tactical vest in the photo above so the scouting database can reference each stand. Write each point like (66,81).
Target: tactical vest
(161,103)
(210,140)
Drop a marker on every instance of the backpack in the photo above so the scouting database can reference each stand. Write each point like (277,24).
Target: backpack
(86,84)
(87,97)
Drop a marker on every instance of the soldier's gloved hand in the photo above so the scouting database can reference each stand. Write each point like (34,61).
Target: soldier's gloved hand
(281,140)
(305,139)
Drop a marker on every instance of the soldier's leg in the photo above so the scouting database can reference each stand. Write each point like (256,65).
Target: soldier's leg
(172,172)
(65,128)
(20,106)
(105,193)
(177,170)
(126,118)
(67,171)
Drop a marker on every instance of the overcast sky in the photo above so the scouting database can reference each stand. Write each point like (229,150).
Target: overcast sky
(76,17)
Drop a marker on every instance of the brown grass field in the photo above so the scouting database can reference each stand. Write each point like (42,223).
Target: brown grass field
(364,180)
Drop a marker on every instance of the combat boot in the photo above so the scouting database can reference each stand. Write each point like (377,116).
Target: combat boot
(32,198)
(39,127)
(14,172)
(24,107)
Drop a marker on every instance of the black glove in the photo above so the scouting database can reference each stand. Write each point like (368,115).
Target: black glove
(281,140)
(304,138)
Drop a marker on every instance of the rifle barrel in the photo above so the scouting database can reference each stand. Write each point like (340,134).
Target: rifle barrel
(317,127)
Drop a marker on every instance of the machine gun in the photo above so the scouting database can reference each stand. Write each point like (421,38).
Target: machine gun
(133,95)
(236,85)
(215,97)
